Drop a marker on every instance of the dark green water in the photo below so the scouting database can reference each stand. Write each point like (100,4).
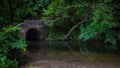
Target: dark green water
(78,46)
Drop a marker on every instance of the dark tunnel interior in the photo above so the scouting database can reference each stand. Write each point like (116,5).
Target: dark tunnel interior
(32,35)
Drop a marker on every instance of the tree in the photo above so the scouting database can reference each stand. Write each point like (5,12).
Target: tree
(95,19)
(16,10)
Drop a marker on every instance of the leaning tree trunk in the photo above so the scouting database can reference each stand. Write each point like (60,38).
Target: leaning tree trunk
(70,31)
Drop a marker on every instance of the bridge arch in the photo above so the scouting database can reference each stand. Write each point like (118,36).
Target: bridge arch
(33,34)
(33,30)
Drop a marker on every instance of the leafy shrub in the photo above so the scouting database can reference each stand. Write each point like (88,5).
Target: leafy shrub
(102,23)
(10,39)
(7,63)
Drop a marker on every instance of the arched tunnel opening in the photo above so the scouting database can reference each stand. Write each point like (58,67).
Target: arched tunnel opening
(32,34)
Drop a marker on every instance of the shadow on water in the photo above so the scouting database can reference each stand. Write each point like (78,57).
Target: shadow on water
(78,46)
(97,47)
(35,46)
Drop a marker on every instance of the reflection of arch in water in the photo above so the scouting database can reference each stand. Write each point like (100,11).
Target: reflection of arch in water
(33,34)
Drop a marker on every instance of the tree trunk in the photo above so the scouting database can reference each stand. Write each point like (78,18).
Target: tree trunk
(70,31)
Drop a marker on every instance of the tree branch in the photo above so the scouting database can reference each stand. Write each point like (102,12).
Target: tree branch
(70,31)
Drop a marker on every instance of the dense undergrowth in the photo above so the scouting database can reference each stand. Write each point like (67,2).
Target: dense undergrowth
(10,40)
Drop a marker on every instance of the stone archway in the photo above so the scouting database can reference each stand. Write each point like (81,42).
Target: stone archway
(33,30)
(33,34)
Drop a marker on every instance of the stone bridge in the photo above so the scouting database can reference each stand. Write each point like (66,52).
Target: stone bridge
(33,30)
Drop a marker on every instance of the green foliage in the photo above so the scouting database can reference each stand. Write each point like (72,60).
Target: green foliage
(60,18)
(13,12)
(10,39)
(7,63)
(98,19)
(27,7)
(102,23)
(17,10)
(110,37)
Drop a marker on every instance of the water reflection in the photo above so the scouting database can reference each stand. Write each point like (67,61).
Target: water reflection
(34,46)
(79,46)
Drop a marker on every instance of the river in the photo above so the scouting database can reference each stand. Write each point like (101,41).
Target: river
(70,54)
